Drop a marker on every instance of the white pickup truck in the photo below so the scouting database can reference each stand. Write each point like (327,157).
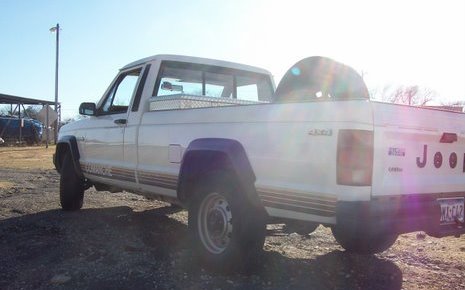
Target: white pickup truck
(217,138)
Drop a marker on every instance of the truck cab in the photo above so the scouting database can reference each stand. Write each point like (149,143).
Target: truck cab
(109,138)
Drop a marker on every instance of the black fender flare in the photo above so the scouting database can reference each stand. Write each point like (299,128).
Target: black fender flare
(65,144)
(205,155)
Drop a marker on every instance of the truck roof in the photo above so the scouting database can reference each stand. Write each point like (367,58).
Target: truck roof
(197,60)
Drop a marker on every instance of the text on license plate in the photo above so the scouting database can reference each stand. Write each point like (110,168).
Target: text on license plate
(451,209)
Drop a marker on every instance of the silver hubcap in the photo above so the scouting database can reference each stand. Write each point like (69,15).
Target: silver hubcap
(215,223)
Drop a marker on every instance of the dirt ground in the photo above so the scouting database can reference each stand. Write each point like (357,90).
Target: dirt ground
(124,241)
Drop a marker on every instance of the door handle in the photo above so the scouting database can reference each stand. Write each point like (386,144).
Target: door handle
(121,121)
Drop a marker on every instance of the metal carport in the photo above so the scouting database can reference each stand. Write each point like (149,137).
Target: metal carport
(19,103)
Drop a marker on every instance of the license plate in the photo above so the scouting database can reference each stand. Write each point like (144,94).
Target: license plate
(451,209)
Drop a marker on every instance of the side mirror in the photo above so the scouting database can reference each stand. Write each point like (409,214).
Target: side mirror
(88,109)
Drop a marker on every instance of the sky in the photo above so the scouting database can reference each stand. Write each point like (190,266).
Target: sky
(390,42)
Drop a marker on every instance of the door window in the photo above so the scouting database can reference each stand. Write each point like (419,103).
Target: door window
(121,94)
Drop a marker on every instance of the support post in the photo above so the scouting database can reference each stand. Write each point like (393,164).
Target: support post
(20,127)
(46,126)
(57,30)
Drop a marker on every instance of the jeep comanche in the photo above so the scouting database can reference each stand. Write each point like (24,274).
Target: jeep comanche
(218,139)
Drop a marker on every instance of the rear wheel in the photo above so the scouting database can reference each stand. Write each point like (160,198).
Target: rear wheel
(363,243)
(71,185)
(227,233)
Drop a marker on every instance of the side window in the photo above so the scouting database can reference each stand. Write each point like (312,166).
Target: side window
(117,101)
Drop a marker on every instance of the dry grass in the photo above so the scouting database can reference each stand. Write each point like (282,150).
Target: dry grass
(6,185)
(27,157)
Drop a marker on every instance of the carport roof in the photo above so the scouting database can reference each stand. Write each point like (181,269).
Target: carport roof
(9,99)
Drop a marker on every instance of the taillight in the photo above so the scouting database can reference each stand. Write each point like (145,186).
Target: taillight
(354,157)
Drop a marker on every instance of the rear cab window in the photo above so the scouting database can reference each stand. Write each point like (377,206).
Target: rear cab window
(208,86)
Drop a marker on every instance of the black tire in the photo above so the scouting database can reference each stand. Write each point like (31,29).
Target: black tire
(227,232)
(71,186)
(301,227)
(363,243)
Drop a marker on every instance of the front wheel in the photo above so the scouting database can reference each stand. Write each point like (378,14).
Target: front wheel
(227,233)
(363,243)
(71,185)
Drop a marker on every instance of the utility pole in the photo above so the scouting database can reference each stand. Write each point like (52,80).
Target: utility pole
(57,30)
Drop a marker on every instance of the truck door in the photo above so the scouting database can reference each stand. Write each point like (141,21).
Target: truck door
(132,126)
(105,139)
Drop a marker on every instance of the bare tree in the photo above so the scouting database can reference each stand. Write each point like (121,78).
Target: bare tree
(30,111)
(5,110)
(407,95)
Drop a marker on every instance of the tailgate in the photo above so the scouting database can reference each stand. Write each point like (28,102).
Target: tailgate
(417,150)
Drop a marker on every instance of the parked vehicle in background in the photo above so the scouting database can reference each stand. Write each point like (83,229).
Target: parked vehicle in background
(217,138)
(13,129)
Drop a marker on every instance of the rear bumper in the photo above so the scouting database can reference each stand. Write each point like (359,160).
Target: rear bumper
(397,215)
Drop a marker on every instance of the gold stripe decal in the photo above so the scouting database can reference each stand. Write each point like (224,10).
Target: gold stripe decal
(158,179)
(96,169)
(300,202)
(308,203)
(117,173)
(108,171)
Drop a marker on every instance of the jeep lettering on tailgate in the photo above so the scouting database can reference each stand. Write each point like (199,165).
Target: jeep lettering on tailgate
(438,159)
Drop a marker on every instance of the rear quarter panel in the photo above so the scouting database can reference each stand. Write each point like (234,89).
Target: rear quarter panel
(291,147)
